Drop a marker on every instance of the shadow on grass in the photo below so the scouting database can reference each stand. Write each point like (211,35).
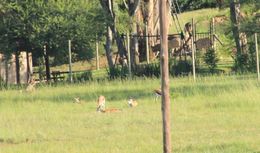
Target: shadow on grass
(123,95)
(216,148)
(10,141)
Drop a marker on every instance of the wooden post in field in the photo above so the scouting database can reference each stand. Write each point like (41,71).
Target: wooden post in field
(47,65)
(70,66)
(17,66)
(147,43)
(128,55)
(257,57)
(97,55)
(163,13)
(193,51)
(212,33)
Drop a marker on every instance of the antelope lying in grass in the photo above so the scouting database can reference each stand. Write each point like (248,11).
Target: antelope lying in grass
(111,110)
(101,103)
(101,106)
(77,100)
(132,102)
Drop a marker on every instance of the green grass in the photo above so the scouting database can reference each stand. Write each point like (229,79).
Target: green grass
(215,114)
(201,17)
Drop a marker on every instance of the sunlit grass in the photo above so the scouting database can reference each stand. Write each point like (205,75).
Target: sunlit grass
(201,18)
(215,114)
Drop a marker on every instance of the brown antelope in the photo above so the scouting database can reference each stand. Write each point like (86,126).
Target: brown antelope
(101,106)
(31,85)
(101,103)
(157,93)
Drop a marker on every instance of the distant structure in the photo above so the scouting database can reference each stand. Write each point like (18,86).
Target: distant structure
(8,68)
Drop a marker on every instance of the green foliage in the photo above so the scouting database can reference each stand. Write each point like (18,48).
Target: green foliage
(180,67)
(250,23)
(82,77)
(117,72)
(241,63)
(147,70)
(2,83)
(29,25)
(252,57)
(41,69)
(247,61)
(211,59)
(186,5)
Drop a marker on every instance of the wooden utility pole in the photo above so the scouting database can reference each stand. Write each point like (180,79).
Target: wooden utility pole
(212,33)
(163,13)
(97,55)
(70,65)
(257,57)
(193,50)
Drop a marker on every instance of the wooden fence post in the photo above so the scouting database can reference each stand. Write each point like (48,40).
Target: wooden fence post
(257,57)
(97,55)
(193,51)
(129,55)
(47,63)
(70,65)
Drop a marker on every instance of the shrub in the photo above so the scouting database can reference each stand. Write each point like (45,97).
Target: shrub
(180,68)
(117,72)
(148,70)
(210,58)
(241,63)
(79,77)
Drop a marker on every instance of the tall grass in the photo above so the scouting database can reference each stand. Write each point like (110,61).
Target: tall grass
(214,114)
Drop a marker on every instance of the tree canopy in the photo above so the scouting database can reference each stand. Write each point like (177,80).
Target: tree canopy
(28,25)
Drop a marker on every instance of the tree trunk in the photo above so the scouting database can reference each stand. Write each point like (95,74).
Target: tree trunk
(17,64)
(134,46)
(108,47)
(6,69)
(234,7)
(119,42)
(149,19)
(108,6)
(152,13)
(28,66)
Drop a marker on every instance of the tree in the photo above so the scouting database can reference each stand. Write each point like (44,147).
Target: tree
(211,59)
(132,7)
(107,5)
(37,23)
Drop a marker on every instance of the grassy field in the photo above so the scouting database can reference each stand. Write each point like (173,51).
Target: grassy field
(215,114)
